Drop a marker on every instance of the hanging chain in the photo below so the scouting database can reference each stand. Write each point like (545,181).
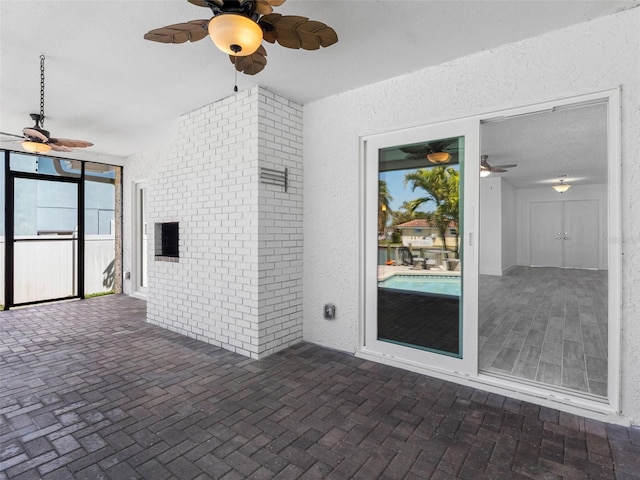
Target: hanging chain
(41,90)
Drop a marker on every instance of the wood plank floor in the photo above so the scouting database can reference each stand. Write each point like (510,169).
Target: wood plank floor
(546,325)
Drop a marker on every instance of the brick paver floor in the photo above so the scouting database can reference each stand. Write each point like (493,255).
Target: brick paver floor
(91,391)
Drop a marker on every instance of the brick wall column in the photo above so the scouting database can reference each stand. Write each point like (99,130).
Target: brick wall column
(237,281)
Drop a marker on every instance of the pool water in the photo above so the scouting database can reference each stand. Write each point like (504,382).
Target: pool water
(438,285)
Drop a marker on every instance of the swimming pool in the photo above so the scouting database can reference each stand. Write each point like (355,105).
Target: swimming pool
(436,284)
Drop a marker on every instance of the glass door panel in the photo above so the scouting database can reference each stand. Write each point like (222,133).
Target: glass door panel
(45,240)
(420,275)
(420,265)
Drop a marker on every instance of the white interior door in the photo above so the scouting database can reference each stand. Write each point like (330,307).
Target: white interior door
(581,234)
(564,234)
(545,231)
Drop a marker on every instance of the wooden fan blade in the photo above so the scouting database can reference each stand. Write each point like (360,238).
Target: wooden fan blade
(293,31)
(11,135)
(192,31)
(263,7)
(510,165)
(59,148)
(32,132)
(202,3)
(497,170)
(251,64)
(417,149)
(67,142)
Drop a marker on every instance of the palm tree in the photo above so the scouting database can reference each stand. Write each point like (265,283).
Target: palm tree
(384,209)
(441,186)
(451,206)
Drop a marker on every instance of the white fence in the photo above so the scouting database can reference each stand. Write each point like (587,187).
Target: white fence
(48,269)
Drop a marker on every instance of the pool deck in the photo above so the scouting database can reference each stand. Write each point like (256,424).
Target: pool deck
(386,271)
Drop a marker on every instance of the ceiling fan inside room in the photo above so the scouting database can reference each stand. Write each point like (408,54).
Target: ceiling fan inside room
(38,140)
(239,26)
(486,169)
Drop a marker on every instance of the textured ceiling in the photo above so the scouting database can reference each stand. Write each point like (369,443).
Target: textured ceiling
(569,143)
(105,84)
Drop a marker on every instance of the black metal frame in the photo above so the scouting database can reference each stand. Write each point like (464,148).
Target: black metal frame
(9,218)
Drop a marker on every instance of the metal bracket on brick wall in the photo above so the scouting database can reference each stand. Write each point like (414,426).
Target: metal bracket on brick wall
(269,176)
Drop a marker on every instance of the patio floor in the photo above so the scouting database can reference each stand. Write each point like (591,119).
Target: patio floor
(89,391)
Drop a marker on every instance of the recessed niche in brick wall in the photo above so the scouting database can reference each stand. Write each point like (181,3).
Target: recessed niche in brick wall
(167,241)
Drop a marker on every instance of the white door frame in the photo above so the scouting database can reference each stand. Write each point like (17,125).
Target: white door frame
(613,235)
(609,409)
(136,245)
(407,357)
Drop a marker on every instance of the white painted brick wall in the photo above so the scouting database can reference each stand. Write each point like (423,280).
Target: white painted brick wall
(238,281)
(280,225)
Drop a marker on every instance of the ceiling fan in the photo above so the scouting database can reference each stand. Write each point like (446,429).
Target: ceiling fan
(486,169)
(239,26)
(38,140)
(439,151)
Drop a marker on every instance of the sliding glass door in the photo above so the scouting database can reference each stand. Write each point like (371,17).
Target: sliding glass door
(420,266)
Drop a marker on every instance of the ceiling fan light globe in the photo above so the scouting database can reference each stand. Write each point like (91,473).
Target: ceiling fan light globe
(235,34)
(484,172)
(561,187)
(439,157)
(36,147)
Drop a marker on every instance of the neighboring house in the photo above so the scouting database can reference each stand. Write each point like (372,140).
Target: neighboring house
(422,232)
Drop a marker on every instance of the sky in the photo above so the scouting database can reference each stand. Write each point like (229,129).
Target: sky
(395,186)
(400,193)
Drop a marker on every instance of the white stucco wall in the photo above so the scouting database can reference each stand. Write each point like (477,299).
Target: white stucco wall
(598,55)
(509,230)
(491,223)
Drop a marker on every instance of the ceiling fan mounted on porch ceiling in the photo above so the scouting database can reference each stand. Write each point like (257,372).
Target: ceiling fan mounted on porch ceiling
(239,26)
(439,151)
(38,140)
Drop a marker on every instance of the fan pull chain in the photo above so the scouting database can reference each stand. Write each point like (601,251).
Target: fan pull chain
(41,90)
(235,74)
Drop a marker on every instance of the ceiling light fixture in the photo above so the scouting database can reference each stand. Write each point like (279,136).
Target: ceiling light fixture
(484,172)
(561,187)
(35,147)
(235,34)
(439,157)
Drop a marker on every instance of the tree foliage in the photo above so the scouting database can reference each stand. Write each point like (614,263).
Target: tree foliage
(384,206)
(440,186)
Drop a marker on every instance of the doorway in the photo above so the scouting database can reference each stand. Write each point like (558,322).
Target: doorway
(553,331)
(45,246)
(565,234)
(140,245)
(543,312)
